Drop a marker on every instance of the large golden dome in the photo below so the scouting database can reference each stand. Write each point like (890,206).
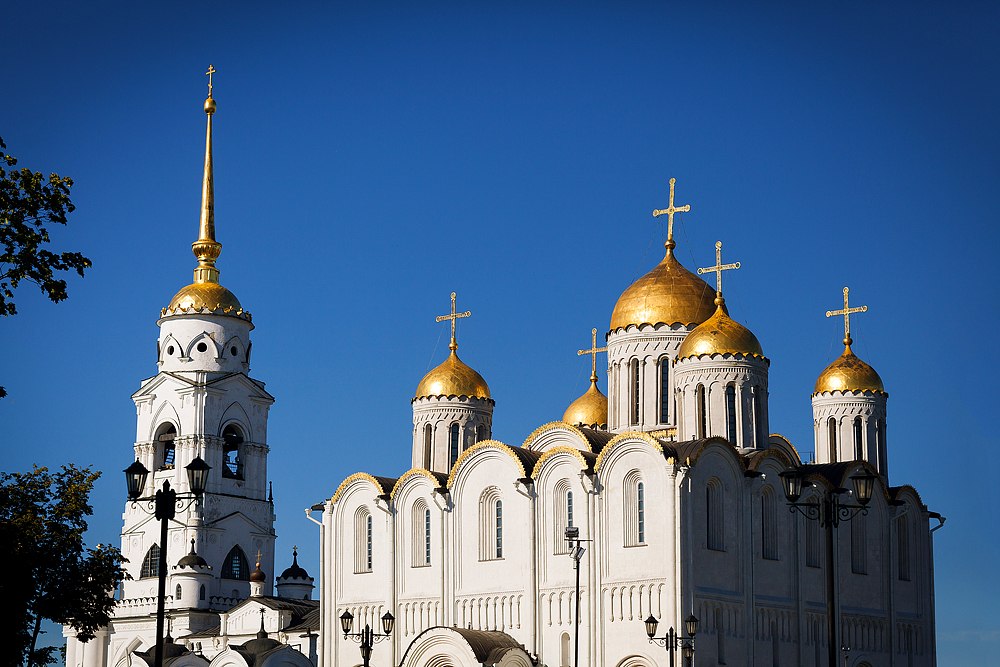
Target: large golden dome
(669,294)
(720,334)
(848,373)
(453,378)
(212,297)
(589,410)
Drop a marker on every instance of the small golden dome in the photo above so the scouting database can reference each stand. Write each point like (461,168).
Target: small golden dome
(669,294)
(849,373)
(212,297)
(589,410)
(453,378)
(720,334)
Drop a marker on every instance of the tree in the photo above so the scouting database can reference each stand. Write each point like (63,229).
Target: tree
(50,574)
(29,204)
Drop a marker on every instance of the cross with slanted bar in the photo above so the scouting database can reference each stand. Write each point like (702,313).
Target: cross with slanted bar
(670,210)
(453,316)
(593,354)
(846,312)
(210,72)
(718,268)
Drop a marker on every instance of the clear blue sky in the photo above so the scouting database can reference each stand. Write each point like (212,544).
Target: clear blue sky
(373,157)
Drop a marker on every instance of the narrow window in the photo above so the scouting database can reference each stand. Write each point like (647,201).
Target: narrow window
(714,515)
(720,637)
(831,428)
(453,445)
(731,413)
(428,441)
(812,543)
(903,549)
(775,645)
(635,390)
(564,650)
(640,494)
(427,537)
(482,433)
(201,592)
(165,436)
(151,563)
(701,412)
(368,543)
(665,393)
(858,450)
(177,592)
(768,528)
(859,546)
(499,525)
(232,438)
(362,540)
(880,443)
(236,565)
(760,438)
(569,509)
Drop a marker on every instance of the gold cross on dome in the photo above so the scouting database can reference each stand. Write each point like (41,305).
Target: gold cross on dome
(453,316)
(846,312)
(670,210)
(258,557)
(718,268)
(593,354)
(210,72)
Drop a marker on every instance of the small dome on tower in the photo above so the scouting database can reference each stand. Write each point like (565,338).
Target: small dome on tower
(295,571)
(669,294)
(720,334)
(205,296)
(453,378)
(258,576)
(849,373)
(590,410)
(192,560)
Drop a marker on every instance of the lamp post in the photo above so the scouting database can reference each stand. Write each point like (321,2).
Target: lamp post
(576,552)
(367,637)
(164,506)
(672,641)
(830,512)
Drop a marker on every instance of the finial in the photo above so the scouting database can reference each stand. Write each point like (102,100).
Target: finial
(846,312)
(593,354)
(192,547)
(669,212)
(262,634)
(258,558)
(206,248)
(717,270)
(453,345)
(270,492)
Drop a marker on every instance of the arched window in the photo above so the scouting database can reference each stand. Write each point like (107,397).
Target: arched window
(490,524)
(236,566)
(232,464)
(499,524)
(731,413)
(831,430)
(368,544)
(427,537)
(640,511)
(701,413)
(634,371)
(421,535)
(760,437)
(858,446)
(634,519)
(177,592)
(859,545)
(165,436)
(151,563)
(716,526)
(482,433)
(453,445)
(768,525)
(902,549)
(880,443)
(362,540)
(201,592)
(569,509)
(665,393)
(564,650)
(428,444)
(812,543)
(562,515)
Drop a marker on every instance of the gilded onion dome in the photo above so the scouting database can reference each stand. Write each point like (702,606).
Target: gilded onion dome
(848,373)
(453,378)
(720,334)
(669,294)
(590,410)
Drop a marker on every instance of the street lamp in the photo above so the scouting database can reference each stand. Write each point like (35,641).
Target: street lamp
(672,641)
(576,553)
(164,505)
(830,512)
(367,637)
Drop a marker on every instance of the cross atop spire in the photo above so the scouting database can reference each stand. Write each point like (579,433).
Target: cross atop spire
(206,248)
(669,212)
(210,72)
(453,316)
(593,354)
(846,312)
(718,268)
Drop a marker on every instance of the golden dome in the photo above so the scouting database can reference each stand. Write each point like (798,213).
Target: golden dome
(669,294)
(212,297)
(453,378)
(849,373)
(720,334)
(589,410)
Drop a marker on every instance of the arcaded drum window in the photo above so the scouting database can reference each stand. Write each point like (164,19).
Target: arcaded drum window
(758,417)
(831,428)
(665,393)
(634,370)
(482,433)
(858,447)
(731,413)
(428,435)
(453,445)
(702,413)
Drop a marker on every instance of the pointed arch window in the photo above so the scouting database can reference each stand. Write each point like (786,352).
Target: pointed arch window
(201,592)
(714,514)
(151,563)
(177,592)
(634,384)
(165,436)
(236,566)
(665,393)
(731,413)
(454,448)
(232,439)
(858,440)
(701,412)
(831,430)
(428,442)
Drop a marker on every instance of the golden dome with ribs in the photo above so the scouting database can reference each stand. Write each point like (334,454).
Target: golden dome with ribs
(720,334)
(453,377)
(848,373)
(589,410)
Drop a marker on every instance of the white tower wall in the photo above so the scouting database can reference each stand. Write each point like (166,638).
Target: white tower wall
(844,409)
(747,375)
(433,417)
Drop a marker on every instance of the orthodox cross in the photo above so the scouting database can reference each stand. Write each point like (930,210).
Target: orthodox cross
(718,268)
(258,557)
(453,316)
(670,210)
(210,72)
(593,354)
(846,312)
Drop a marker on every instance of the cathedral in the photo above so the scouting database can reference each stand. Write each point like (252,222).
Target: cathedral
(662,523)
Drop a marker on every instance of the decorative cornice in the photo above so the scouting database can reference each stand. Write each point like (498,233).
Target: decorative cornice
(484,444)
(553,426)
(354,478)
(412,472)
(555,451)
(623,437)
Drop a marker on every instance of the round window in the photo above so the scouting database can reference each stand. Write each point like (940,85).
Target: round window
(170,350)
(202,347)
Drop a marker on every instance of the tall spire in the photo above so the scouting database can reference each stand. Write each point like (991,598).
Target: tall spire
(206,248)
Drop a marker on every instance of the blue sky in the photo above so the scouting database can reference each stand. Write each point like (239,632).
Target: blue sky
(373,157)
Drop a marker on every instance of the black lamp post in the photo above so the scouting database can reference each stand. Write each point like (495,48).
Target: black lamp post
(367,637)
(164,505)
(672,641)
(829,511)
(576,553)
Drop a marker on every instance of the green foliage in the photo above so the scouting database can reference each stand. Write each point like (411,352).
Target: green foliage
(49,573)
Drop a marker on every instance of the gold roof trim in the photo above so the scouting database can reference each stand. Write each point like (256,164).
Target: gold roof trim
(623,437)
(555,451)
(412,472)
(354,478)
(553,426)
(484,444)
